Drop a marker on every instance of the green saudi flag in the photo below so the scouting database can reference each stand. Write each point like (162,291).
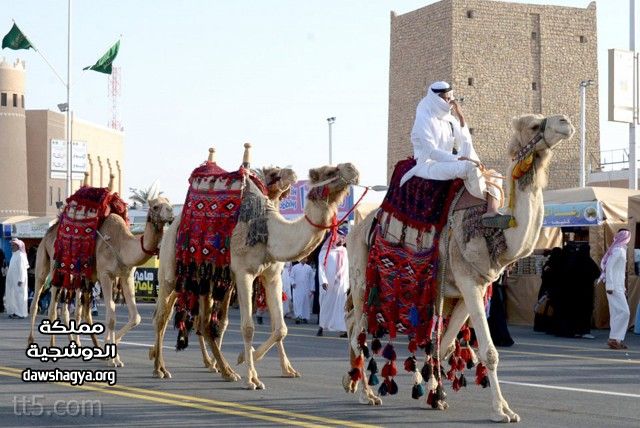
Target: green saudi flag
(103,65)
(16,40)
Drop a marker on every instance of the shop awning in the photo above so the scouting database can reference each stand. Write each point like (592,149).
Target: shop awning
(33,227)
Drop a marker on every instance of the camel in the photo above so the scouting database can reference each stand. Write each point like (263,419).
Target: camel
(118,252)
(469,269)
(278,182)
(287,241)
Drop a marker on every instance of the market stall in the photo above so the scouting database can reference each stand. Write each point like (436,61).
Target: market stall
(589,214)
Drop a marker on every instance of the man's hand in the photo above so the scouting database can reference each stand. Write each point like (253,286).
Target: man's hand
(324,286)
(457,111)
(478,163)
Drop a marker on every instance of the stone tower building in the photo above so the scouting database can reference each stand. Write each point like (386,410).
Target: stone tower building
(504,59)
(13,144)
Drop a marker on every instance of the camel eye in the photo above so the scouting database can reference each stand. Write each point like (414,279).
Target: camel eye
(535,127)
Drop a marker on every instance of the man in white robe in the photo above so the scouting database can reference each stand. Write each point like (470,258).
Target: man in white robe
(302,285)
(334,282)
(443,150)
(16,285)
(286,289)
(614,265)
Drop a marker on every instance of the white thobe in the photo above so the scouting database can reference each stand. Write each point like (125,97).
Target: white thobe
(302,281)
(614,281)
(16,285)
(434,135)
(286,289)
(332,300)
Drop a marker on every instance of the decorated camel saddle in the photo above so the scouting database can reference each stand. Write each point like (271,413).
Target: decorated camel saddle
(75,244)
(403,293)
(214,204)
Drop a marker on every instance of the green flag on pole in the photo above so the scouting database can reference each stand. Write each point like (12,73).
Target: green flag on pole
(104,64)
(16,40)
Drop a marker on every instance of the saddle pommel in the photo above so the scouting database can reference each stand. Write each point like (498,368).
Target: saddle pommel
(212,155)
(110,186)
(246,159)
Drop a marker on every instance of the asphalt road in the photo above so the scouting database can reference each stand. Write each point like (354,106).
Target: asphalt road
(548,381)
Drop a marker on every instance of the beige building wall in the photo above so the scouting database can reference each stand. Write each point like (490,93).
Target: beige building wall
(13,143)
(504,59)
(104,149)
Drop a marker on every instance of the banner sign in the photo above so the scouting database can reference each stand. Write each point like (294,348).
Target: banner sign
(145,280)
(292,206)
(58,162)
(573,214)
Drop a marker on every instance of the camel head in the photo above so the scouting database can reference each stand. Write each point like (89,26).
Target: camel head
(331,183)
(160,212)
(535,136)
(279,181)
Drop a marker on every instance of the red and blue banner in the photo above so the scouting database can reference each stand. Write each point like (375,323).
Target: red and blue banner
(292,206)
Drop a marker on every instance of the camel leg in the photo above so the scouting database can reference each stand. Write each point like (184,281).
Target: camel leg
(204,318)
(473,297)
(458,317)
(164,310)
(79,315)
(223,322)
(110,315)
(53,311)
(273,295)
(88,296)
(244,287)
(129,295)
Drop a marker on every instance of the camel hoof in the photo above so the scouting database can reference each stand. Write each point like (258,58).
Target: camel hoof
(514,417)
(442,405)
(231,376)
(213,368)
(500,418)
(290,372)
(347,384)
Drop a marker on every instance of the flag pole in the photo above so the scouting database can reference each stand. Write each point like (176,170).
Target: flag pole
(69,116)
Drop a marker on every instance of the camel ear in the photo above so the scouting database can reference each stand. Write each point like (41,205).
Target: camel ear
(314,175)
(516,122)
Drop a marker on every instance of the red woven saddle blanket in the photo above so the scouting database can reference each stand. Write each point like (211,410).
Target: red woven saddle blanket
(419,203)
(75,245)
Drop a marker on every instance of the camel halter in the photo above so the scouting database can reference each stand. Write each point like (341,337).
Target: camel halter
(524,163)
(333,227)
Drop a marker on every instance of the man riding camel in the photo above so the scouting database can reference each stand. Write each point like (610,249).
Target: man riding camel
(443,150)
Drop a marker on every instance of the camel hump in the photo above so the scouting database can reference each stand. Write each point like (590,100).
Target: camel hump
(246,158)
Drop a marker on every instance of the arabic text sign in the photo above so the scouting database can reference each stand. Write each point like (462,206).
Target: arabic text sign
(58,164)
(292,206)
(573,214)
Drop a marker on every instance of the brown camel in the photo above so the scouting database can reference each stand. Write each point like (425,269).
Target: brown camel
(118,252)
(469,268)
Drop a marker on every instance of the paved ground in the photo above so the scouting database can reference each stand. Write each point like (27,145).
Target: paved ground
(549,381)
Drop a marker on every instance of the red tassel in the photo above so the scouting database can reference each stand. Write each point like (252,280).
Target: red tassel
(481,373)
(358,362)
(362,338)
(430,398)
(456,384)
(458,349)
(465,354)
(284,296)
(355,374)
(413,346)
(389,370)
(460,364)
(451,374)
(466,333)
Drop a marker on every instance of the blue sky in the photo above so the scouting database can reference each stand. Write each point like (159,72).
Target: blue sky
(201,73)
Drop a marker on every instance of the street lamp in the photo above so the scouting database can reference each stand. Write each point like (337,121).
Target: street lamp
(330,121)
(583,108)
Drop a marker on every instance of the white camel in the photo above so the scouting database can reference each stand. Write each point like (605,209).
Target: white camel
(469,268)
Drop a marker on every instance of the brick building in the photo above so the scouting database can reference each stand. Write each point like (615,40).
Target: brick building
(504,59)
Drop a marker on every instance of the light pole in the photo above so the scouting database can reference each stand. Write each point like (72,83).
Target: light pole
(330,121)
(583,108)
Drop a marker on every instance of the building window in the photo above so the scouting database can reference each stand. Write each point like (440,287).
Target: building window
(534,86)
(583,39)
(15,100)
(3,99)
(470,81)
(470,14)
(534,35)
(59,195)
(50,195)
(22,97)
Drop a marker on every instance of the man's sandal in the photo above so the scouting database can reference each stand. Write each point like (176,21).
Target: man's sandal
(497,221)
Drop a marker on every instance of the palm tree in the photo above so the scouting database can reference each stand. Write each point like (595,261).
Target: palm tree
(142,196)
